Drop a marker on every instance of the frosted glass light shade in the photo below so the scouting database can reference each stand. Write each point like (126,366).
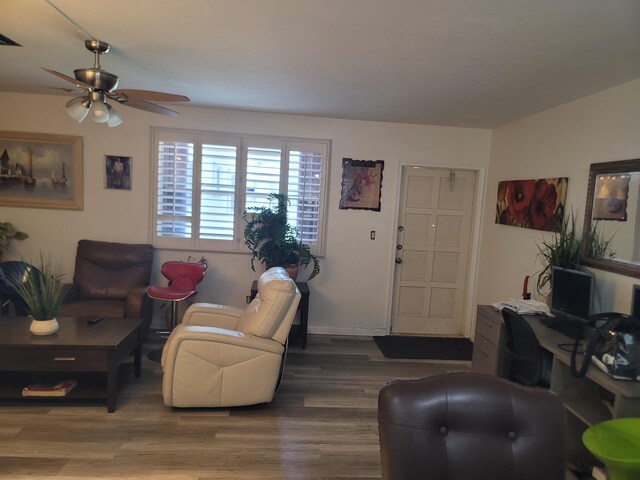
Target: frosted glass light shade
(114,117)
(78,109)
(99,112)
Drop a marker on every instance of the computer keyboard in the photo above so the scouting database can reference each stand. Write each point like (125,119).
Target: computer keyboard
(564,326)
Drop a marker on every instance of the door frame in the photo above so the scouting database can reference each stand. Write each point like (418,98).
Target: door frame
(474,247)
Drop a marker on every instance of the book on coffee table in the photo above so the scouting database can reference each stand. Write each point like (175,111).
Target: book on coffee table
(59,389)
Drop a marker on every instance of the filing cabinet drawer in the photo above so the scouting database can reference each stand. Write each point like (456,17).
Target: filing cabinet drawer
(488,328)
(485,356)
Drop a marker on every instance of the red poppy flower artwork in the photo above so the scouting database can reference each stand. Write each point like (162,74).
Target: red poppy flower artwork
(536,204)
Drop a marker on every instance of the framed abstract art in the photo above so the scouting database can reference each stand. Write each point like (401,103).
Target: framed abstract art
(361,184)
(611,195)
(538,204)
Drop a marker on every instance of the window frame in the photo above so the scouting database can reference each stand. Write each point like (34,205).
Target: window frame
(243,142)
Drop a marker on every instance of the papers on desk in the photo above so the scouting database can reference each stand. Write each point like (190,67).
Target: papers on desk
(523,307)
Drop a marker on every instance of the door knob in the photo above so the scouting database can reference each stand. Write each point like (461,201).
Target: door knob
(398,260)
(398,247)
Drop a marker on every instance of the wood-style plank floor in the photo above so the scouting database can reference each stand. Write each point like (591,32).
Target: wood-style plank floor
(322,424)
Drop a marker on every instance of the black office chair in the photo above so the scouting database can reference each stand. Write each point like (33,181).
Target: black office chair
(522,354)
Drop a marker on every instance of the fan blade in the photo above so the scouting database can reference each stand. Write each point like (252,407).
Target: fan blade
(151,96)
(148,106)
(67,78)
(68,90)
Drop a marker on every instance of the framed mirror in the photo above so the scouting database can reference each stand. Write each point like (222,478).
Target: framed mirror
(612,218)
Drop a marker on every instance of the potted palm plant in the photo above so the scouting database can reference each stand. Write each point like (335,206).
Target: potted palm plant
(564,249)
(560,250)
(273,241)
(42,290)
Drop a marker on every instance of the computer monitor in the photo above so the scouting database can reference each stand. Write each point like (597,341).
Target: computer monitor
(571,293)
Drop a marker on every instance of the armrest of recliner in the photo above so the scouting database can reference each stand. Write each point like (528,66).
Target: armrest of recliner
(212,315)
(135,302)
(201,335)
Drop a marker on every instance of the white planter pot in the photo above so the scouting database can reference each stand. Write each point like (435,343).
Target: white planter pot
(44,327)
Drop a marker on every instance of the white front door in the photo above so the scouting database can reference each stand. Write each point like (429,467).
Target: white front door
(432,251)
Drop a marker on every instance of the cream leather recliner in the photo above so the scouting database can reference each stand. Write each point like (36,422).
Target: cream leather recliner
(222,356)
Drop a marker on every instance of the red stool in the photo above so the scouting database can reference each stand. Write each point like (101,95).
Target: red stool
(183,280)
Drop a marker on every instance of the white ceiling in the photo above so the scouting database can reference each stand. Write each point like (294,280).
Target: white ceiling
(470,63)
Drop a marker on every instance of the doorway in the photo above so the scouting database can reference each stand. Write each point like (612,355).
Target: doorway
(432,251)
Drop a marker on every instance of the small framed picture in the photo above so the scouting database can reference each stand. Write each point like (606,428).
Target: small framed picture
(361,184)
(118,172)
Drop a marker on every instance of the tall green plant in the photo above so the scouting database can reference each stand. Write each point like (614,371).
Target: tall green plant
(42,291)
(560,250)
(599,244)
(272,240)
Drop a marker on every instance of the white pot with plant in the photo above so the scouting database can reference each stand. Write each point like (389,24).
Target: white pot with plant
(43,291)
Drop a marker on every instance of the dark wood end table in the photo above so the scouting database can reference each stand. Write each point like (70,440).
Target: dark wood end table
(76,348)
(303,308)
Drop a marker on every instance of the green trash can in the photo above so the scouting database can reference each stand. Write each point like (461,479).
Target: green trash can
(617,444)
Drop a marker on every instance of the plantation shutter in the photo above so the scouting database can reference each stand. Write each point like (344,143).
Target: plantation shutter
(304,188)
(217,191)
(204,181)
(264,171)
(174,197)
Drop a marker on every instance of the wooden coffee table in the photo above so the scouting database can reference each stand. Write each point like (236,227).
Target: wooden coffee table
(76,348)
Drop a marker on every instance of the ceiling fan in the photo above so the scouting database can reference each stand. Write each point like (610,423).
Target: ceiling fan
(99,85)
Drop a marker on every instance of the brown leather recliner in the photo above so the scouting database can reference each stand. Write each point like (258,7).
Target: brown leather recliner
(468,426)
(110,280)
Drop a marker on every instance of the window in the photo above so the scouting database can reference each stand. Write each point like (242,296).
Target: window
(205,181)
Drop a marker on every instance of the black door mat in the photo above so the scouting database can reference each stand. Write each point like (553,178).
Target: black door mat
(431,348)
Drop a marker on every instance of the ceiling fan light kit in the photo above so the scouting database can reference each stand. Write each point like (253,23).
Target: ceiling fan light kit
(98,85)
(95,105)
(78,108)
(114,117)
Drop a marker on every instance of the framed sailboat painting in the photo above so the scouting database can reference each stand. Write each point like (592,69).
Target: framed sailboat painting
(39,170)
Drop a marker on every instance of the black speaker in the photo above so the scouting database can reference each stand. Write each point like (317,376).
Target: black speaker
(635,302)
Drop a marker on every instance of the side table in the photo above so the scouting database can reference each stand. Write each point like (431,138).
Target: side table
(303,308)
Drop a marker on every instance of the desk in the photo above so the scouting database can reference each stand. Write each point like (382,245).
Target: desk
(586,399)
(303,307)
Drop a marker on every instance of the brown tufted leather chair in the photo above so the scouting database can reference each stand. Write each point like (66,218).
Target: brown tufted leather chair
(110,280)
(468,426)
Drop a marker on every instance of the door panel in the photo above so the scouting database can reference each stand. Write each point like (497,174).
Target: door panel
(436,215)
(419,192)
(448,231)
(445,267)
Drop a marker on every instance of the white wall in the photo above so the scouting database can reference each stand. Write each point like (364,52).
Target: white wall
(352,293)
(560,142)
